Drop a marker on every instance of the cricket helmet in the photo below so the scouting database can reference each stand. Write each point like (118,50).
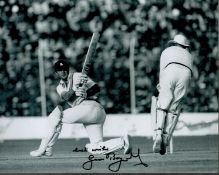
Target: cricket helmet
(61,65)
(180,39)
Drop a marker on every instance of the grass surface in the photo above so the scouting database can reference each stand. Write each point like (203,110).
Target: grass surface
(191,154)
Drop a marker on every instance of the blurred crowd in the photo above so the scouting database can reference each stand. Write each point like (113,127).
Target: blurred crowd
(62,29)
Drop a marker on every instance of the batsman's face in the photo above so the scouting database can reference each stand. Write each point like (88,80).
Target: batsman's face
(62,74)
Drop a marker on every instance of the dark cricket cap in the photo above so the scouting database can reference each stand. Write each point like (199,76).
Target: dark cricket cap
(61,65)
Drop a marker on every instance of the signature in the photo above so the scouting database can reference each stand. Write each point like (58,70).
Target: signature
(117,161)
(102,148)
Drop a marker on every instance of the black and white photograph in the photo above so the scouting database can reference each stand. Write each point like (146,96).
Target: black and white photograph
(109,86)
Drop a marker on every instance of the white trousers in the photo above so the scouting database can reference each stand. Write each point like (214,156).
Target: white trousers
(173,85)
(92,115)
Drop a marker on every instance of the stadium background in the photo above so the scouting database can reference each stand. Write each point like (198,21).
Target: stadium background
(66,26)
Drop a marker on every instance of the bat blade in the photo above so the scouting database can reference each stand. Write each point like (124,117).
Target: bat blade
(88,60)
(90,53)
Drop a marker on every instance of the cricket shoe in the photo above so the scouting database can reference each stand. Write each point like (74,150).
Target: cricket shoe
(127,144)
(39,152)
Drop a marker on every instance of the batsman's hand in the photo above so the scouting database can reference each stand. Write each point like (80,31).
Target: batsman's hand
(80,79)
(81,92)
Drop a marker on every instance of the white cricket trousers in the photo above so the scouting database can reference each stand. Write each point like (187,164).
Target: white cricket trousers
(92,115)
(174,81)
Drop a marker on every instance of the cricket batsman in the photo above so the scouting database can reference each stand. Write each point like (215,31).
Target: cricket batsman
(83,107)
(176,65)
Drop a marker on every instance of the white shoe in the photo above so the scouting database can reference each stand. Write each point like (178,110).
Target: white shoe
(42,149)
(37,153)
(127,145)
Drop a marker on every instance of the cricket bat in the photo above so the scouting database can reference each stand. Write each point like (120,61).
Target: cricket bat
(89,59)
(90,53)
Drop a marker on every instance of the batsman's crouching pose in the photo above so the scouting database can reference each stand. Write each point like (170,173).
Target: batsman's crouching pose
(175,73)
(85,109)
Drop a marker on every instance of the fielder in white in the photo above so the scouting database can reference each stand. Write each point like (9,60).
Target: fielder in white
(175,73)
(86,110)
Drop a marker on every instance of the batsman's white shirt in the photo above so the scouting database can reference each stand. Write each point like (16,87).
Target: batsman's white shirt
(174,78)
(63,87)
